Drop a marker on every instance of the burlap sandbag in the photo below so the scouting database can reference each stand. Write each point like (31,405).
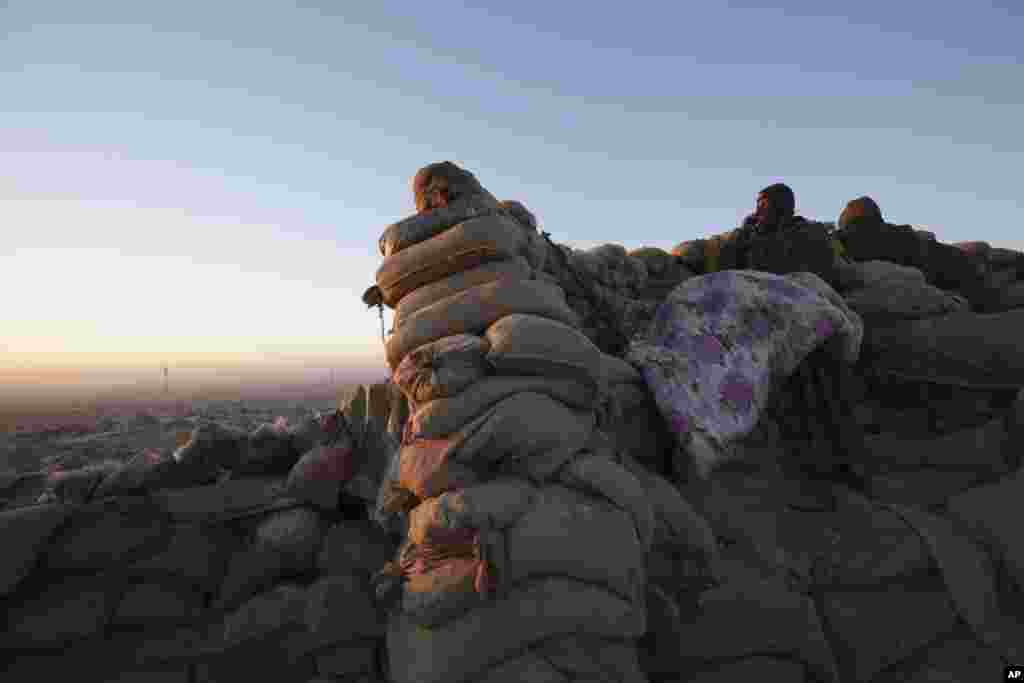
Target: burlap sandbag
(447,574)
(497,504)
(864,274)
(657,260)
(448,415)
(442,368)
(676,521)
(532,345)
(422,226)
(962,349)
(573,534)
(512,269)
(474,310)
(445,592)
(617,371)
(536,250)
(599,473)
(577,657)
(465,246)
(905,300)
(461,650)
(527,434)
(426,468)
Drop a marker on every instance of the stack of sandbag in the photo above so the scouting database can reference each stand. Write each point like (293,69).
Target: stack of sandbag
(665,272)
(631,418)
(881,292)
(605,286)
(524,546)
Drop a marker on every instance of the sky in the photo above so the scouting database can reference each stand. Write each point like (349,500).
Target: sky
(205,183)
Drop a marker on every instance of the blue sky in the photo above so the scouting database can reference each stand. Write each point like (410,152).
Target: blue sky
(206,182)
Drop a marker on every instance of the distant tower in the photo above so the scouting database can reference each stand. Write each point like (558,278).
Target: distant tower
(166,388)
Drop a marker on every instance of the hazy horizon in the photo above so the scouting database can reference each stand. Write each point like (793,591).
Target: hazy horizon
(207,182)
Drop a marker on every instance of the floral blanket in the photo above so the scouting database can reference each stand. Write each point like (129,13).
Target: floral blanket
(720,343)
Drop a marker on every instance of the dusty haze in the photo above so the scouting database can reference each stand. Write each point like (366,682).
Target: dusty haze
(35,397)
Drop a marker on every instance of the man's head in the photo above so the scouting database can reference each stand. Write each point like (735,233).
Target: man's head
(860,208)
(775,205)
(437,185)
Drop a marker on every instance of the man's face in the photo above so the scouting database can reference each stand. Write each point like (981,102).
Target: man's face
(763,207)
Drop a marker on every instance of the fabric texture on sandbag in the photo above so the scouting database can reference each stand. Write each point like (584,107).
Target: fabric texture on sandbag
(675,520)
(511,269)
(532,345)
(445,574)
(460,650)
(495,504)
(445,416)
(422,226)
(904,300)
(442,368)
(657,261)
(617,371)
(465,246)
(570,534)
(868,274)
(427,468)
(527,434)
(975,350)
(579,657)
(473,310)
(720,343)
(599,473)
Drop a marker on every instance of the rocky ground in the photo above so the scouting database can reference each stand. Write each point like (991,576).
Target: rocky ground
(72,442)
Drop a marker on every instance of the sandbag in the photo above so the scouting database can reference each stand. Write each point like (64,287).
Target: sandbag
(579,657)
(657,260)
(599,473)
(445,592)
(531,345)
(460,650)
(527,434)
(445,575)
(422,226)
(870,240)
(465,246)
(568,533)
(511,269)
(474,309)
(448,415)
(907,300)
(536,250)
(868,274)
(676,521)
(617,371)
(982,351)
(496,504)
(442,368)
(427,469)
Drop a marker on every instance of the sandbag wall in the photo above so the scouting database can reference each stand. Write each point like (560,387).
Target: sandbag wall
(524,536)
(244,556)
(819,585)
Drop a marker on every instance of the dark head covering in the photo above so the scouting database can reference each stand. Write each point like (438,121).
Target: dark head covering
(782,199)
(862,208)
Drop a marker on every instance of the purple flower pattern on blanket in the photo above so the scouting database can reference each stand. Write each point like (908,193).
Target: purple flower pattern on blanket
(719,343)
